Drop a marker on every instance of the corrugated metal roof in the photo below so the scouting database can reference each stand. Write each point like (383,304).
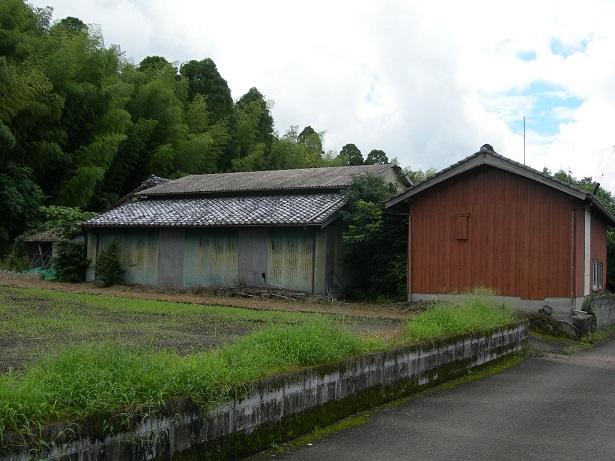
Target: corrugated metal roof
(263,210)
(52,235)
(260,181)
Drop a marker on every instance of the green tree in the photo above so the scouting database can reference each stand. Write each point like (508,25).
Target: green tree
(418,176)
(153,63)
(351,155)
(264,123)
(64,220)
(69,261)
(376,156)
(72,25)
(108,268)
(203,78)
(20,200)
(375,240)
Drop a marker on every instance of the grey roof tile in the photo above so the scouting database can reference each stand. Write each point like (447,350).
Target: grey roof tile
(260,181)
(52,235)
(295,209)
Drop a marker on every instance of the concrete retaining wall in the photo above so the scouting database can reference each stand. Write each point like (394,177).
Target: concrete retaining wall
(284,406)
(603,308)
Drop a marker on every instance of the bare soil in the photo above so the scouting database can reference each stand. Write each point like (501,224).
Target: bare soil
(392,311)
(39,318)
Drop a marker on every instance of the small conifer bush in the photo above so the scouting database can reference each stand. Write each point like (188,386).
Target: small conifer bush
(108,268)
(69,261)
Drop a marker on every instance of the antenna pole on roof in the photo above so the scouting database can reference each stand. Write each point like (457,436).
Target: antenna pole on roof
(524,140)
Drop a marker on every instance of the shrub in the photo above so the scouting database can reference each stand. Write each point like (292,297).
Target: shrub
(375,241)
(471,313)
(89,380)
(69,262)
(108,268)
(66,221)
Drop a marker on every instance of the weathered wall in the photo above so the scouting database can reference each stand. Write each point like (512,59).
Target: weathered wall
(283,406)
(171,258)
(517,241)
(138,254)
(291,259)
(603,308)
(307,260)
(210,258)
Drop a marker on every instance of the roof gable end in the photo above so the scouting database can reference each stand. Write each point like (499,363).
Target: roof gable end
(491,158)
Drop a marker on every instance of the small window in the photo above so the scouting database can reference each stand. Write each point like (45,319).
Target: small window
(461,226)
(597,275)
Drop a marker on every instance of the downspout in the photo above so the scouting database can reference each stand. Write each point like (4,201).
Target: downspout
(409,263)
(573,262)
(314,262)
(587,288)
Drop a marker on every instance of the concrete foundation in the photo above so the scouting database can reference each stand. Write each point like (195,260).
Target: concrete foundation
(279,407)
(563,306)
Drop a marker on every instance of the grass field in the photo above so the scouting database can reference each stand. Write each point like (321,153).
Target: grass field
(471,313)
(38,322)
(73,355)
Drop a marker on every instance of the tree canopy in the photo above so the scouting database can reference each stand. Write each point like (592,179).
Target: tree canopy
(376,156)
(351,155)
(375,240)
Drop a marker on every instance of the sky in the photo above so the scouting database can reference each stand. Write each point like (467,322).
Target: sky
(429,82)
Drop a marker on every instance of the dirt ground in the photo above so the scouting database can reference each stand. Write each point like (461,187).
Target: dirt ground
(39,318)
(393,311)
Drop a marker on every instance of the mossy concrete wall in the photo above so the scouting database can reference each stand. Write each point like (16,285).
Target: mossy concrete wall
(603,310)
(281,407)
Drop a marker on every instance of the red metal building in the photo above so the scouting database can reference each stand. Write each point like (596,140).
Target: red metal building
(488,221)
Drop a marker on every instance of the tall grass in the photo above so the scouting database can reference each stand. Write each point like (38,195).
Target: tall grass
(470,313)
(90,380)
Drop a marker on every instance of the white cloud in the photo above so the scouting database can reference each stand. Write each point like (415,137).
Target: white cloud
(428,82)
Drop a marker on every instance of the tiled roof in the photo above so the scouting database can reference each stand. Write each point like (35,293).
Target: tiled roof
(272,181)
(262,210)
(44,236)
(151,181)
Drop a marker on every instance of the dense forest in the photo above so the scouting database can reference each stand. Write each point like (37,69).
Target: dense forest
(81,125)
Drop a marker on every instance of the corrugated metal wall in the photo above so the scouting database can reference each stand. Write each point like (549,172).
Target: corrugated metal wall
(518,237)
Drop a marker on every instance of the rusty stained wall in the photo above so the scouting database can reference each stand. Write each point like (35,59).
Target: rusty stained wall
(519,235)
(138,254)
(291,253)
(210,258)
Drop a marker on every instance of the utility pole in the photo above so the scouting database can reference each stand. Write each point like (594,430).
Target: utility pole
(524,140)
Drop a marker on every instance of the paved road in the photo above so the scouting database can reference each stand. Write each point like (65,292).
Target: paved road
(548,408)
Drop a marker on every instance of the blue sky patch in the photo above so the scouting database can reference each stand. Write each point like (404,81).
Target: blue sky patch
(549,106)
(527,56)
(563,49)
